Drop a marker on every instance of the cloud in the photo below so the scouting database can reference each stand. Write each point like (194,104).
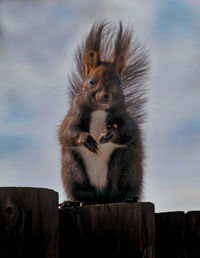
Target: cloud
(14,144)
(175,17)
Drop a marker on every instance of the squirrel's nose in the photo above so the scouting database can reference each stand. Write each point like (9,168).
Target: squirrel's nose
(105,96)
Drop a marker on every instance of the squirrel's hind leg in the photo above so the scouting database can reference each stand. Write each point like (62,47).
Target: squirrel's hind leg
(125,176)
(75,180)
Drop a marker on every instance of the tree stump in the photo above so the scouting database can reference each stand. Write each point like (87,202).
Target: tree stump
(193,234)
(108,230)
(28,223)
(170,235)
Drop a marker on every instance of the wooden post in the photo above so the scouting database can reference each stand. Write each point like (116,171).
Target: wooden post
(28,223)
(110,230)
(170,235)
(193,234)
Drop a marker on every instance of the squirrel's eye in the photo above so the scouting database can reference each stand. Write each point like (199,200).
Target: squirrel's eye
(120,85)
(92,82)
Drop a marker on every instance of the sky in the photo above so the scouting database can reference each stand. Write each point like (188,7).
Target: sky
(37,42)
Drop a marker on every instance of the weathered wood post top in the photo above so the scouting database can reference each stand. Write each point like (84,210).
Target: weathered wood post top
(28,222)
(108,230)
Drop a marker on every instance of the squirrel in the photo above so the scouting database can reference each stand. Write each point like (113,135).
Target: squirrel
(100,137)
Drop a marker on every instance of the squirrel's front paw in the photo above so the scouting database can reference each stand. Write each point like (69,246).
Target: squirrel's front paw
(108,134)
(88,141)
(91,144)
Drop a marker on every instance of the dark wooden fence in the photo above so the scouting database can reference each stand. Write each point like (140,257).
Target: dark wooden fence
(31,225)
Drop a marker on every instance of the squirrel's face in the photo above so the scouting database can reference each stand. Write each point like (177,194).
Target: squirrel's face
(103,85)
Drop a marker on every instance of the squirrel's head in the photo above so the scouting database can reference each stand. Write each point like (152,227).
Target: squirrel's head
(103,79)
(103,85)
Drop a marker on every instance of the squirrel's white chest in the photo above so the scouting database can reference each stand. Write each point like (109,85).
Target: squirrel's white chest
(97,164)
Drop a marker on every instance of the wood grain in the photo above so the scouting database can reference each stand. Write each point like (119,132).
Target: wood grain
(28,222)
(109,230)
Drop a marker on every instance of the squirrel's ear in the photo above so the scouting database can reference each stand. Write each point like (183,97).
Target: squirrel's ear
(92,47)
(120,63)
(91,61)
(121,48)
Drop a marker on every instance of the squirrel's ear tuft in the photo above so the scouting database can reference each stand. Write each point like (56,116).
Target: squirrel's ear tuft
(91,61)
(92,47)
(121,48)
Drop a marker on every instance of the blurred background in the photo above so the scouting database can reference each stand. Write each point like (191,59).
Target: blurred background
(37,42)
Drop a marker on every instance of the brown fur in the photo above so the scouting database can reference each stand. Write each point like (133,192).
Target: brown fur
(104,61)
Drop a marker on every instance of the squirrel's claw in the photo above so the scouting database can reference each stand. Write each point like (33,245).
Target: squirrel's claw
(107,135)
(67,204)
(127,199)
(91,144)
